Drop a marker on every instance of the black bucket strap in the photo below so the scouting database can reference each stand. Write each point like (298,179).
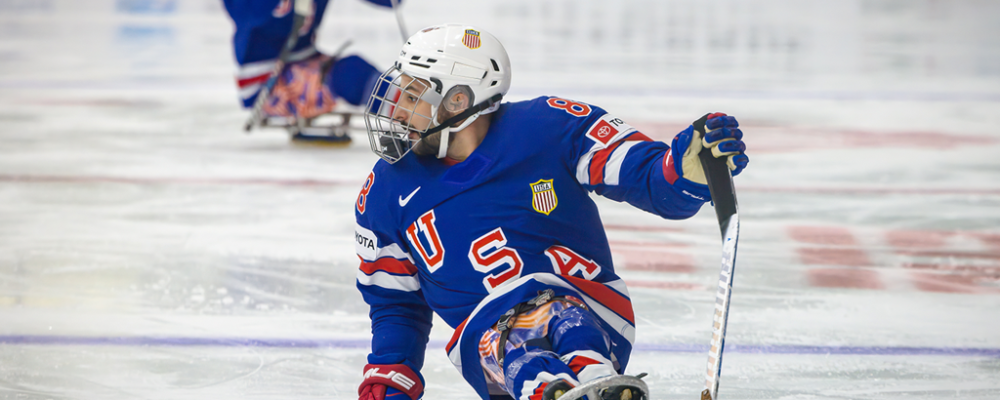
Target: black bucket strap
(508,318)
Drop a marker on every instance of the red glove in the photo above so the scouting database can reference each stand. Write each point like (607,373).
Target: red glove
(382,378)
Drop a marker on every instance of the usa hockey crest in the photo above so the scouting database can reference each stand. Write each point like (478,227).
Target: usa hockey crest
(543,196)
(471,39)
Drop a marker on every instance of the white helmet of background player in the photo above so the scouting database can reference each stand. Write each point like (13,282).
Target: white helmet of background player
(446,76)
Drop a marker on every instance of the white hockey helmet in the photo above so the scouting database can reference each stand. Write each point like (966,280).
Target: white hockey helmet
(444,60)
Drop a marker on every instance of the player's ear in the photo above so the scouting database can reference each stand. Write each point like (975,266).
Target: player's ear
(458,99)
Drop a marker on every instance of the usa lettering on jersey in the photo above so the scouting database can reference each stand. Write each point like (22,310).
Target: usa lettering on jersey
(490,252)
(431,250)
(567,262)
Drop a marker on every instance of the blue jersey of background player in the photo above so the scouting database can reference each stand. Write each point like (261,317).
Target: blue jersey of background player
(480,208)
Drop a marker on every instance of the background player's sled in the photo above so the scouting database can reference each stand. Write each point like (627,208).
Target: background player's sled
(331,128)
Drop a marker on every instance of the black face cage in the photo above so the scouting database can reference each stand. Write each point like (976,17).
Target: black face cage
(389,117)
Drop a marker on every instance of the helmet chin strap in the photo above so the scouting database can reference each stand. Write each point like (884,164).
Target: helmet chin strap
(446,134)
(469,116)
(443,147)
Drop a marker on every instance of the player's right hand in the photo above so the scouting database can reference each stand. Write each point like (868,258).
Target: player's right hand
(722,136)
(392,382)
(725,139)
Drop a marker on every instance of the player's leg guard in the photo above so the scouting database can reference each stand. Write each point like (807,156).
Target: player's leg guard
(300,91)
(543,341)
(584,346)
(308,88)
(530,372)
(526,363)
(304,98)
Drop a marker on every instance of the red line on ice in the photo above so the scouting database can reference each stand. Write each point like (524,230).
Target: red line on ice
(88,179)
(328,182)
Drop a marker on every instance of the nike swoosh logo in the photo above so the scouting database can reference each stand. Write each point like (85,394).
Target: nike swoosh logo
(402,201)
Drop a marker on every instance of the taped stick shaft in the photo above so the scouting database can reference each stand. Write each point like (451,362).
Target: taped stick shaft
(720,185)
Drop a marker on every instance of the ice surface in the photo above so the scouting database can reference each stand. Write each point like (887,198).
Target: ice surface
(149,249)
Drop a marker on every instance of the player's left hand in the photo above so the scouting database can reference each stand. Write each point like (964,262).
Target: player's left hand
(393,382)
(722,136)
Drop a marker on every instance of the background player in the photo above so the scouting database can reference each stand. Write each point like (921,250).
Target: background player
(489,223)
(310,83)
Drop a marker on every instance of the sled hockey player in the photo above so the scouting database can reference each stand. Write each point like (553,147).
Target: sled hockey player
(310,83)
(479,212)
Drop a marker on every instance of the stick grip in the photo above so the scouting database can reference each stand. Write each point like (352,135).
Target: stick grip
(720,180)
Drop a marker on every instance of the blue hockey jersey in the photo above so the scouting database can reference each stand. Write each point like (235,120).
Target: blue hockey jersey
(440,238)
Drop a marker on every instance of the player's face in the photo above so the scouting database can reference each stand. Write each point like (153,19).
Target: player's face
(415,114)
(410,110)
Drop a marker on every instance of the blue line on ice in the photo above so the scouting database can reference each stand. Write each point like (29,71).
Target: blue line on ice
(363,343)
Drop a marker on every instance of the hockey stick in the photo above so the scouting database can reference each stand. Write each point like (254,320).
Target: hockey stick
(720,185)
(302,9)
(399,20)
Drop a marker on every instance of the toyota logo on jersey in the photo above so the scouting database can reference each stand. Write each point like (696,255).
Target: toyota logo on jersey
(608,129)
(604,130)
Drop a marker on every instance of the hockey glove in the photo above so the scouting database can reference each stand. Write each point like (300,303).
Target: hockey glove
(723,137)
(392,382)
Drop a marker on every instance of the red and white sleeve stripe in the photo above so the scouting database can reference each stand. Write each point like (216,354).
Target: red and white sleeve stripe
(388,267)
(389,272)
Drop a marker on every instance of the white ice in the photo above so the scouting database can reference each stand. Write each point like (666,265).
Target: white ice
(151,250)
